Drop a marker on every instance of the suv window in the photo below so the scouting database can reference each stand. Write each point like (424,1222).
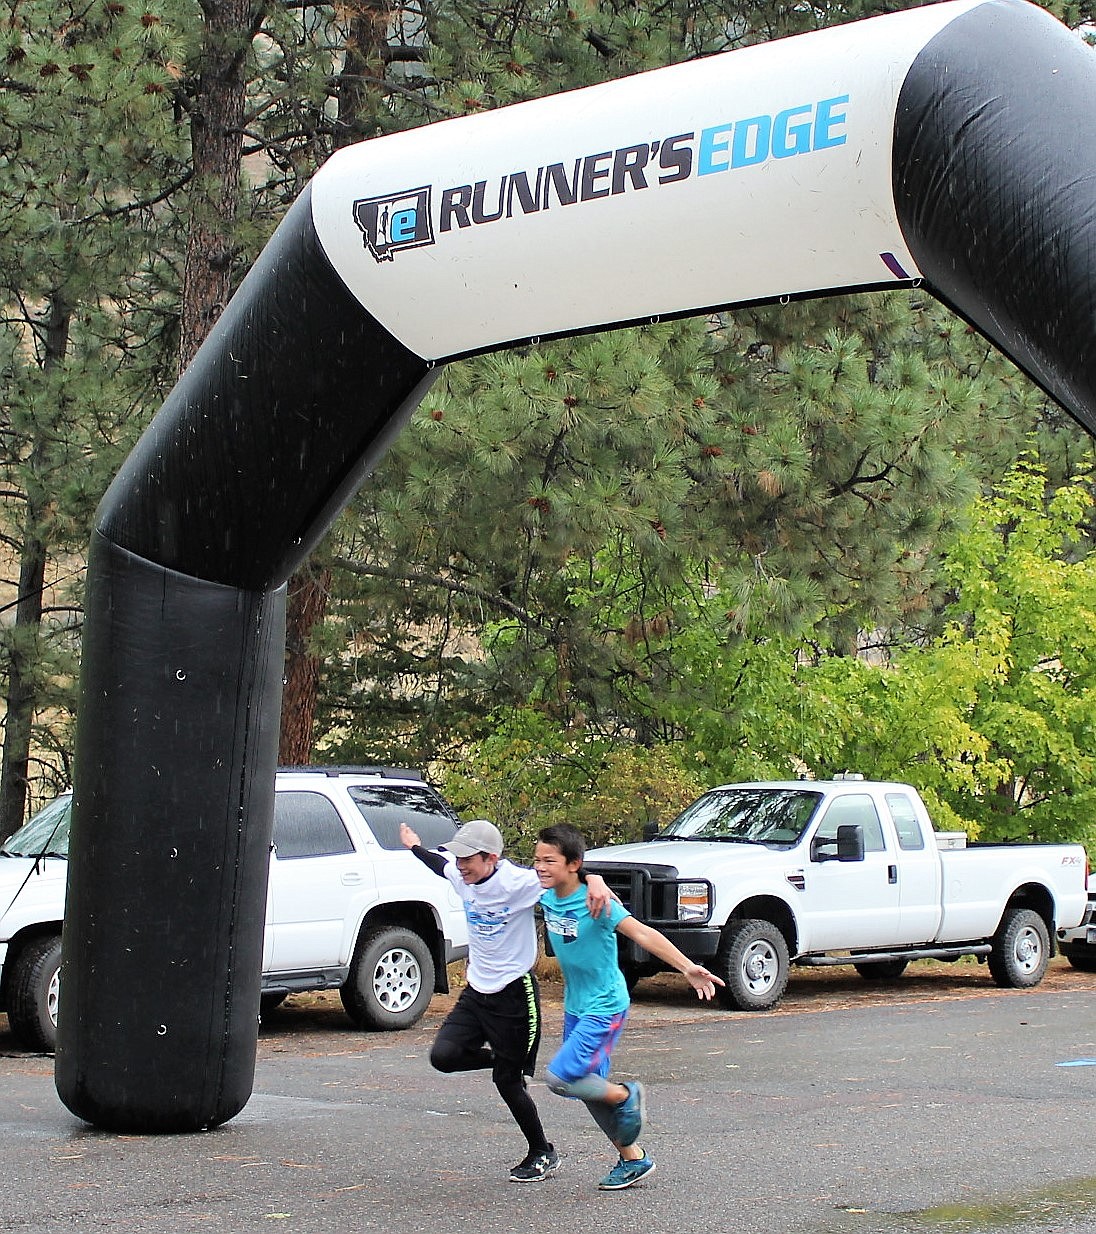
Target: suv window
(855,808)
(308,825)
(385,806)
(46,834)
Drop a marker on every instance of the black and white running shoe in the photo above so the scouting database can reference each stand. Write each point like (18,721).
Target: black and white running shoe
(536,1167)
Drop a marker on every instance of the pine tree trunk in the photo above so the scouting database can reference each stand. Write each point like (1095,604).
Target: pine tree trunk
(309,587)
(364,62)
(217,147)
(306,606)
(21,693)
(24,637)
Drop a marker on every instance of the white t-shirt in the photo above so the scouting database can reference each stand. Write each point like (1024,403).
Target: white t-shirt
(502,933)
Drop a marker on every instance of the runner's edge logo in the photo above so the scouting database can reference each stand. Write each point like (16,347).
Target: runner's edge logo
(396,222)
(405,220)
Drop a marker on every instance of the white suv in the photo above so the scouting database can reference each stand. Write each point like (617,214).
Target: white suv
(348,907)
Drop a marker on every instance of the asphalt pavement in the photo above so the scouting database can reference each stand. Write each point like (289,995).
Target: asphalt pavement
(970,1113)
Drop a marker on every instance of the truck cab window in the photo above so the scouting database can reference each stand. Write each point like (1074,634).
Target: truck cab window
(858,809)
(905,821)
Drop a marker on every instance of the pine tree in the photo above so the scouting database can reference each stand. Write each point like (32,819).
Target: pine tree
(87,157)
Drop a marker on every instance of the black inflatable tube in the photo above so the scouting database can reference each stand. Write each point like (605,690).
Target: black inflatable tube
(162,947)
(294,395)
(289,403)
(995,188)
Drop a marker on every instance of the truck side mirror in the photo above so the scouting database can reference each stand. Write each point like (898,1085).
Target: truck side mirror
(848,845)
(850,842)
(650,830)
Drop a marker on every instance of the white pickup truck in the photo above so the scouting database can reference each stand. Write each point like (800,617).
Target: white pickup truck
(348,907)
(752,878)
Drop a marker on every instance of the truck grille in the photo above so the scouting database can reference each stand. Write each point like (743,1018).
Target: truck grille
(648,892)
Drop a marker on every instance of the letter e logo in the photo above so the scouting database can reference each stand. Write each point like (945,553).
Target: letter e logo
(394,223)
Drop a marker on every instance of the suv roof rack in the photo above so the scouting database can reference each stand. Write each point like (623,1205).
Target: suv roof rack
(392,773)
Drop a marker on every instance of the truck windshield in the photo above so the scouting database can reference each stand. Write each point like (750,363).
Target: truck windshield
(46,834)
(748,815)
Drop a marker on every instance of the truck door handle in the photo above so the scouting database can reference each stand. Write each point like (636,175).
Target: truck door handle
(892,874)
(352,878)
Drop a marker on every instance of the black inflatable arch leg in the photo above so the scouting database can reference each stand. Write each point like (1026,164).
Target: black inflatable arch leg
(167,1041)
(292,398)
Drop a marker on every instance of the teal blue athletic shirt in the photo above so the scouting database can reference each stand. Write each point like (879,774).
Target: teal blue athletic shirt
(586,948)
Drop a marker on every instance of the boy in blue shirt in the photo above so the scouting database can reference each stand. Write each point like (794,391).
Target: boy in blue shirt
(595,998)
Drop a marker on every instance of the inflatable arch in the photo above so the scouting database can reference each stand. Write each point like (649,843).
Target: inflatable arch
(944,144)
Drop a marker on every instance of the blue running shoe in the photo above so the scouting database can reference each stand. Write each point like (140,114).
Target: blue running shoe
(631,1115)
(625,1173)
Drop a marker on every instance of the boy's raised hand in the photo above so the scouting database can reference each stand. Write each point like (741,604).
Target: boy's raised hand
(408,838)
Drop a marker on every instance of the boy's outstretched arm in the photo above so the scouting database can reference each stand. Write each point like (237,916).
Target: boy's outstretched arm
(702,981)
(410,839)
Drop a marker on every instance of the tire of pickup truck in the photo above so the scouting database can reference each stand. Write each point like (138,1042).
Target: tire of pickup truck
(32,1000)
(753,961)
(391,980)
(1021,950)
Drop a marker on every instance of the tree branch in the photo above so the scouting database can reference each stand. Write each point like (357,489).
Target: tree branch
(453,585)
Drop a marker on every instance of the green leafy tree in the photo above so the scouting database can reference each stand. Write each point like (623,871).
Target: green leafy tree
(1024,616)
(548,525)
(527,774)
(993,719)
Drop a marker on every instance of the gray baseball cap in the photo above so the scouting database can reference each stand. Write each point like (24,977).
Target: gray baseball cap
(478,836)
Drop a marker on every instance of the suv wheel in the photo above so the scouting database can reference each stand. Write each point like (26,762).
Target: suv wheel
(32,1001)
(391,980)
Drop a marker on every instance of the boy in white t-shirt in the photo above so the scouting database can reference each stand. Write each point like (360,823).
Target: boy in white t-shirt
(496,1020)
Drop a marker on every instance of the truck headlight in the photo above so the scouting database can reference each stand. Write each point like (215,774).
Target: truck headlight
(692,902)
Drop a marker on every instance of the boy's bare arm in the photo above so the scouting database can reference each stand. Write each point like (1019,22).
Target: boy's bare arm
(702,981)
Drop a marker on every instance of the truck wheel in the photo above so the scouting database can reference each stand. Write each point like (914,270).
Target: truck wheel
(1021,950)
(32,1000)
(881,970)
(391,980)
(1083,964)
(753,961)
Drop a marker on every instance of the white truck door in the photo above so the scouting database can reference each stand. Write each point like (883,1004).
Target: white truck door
(850,904)
(316,878)
(920,891)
